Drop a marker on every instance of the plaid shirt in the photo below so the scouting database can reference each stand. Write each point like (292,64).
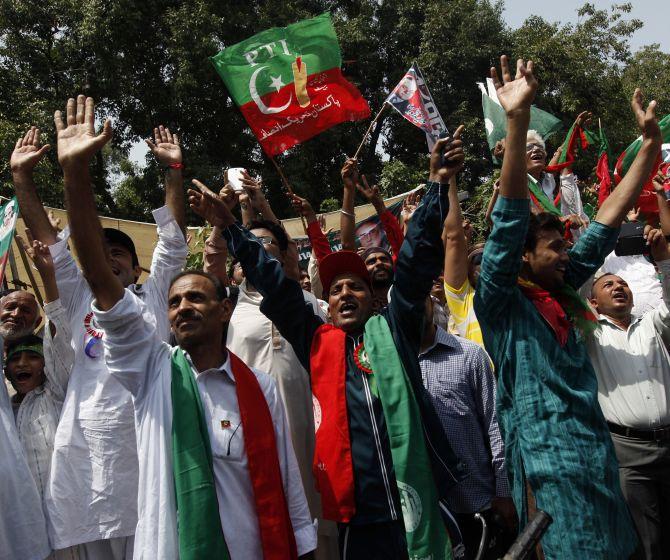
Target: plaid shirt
(457,374)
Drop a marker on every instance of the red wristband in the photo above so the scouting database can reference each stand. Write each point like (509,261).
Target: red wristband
(176,165)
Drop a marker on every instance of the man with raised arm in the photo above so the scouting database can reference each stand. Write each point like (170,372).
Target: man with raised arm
(559,454)
(92,498)
(382,462)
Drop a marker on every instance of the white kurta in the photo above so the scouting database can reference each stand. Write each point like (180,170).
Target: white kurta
(140,361)
(23,533)
(93,488)
(38,413)
(633,366)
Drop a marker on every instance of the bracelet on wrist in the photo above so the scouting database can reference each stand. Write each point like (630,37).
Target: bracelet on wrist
(347,213)
(175,166)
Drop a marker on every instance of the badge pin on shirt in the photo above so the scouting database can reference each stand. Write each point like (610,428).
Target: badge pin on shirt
(225,424)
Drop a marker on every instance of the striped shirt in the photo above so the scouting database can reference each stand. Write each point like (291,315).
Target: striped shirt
(458,377)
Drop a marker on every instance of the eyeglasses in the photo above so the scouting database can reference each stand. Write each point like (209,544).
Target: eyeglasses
(267,240)
(531,147)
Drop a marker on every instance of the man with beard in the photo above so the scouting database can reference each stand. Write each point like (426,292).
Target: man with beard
(632,363)
(92,497)
(558,449)
(379,443)
(379,263)
(23,532)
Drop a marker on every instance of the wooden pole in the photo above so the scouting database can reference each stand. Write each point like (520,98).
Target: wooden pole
(369,130)
(16,280)
(287,186)
(31,277)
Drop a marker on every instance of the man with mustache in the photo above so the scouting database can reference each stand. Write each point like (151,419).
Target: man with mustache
(631,360)
(382,461)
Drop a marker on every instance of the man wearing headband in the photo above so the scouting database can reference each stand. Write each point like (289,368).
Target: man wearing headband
(382,462)
(93,490)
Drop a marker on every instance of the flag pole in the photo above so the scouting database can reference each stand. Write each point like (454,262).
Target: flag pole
(31,277)
(287,186)
(369,130)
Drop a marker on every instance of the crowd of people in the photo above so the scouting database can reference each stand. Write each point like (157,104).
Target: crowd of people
(425,399)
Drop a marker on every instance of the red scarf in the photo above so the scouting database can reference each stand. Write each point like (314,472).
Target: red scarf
(549,308)
(277,537)
(333,465)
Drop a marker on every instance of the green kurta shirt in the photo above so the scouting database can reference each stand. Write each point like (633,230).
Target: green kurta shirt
(554,431)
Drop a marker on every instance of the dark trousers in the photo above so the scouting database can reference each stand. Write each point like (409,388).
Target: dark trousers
(644,474)
(500,539)
(376,541)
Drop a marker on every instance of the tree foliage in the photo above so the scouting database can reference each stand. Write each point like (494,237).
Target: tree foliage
(147,63)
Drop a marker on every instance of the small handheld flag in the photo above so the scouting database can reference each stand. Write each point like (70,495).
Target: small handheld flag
(412,99)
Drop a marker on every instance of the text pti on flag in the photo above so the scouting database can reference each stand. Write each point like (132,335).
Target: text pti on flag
(288,83)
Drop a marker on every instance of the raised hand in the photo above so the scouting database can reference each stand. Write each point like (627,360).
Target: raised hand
(209,206)
(254,190)
(349,173)
(646,120)
(657,243)
(584,118)
(27,152)
(321,218)
(303,208)
(370,193)
(447,157)
(77,142)
(515,95)
(633,214)
(38,252)
(165,147)
(54,221)
(409,206)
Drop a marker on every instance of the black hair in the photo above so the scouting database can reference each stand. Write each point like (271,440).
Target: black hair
(221,292)
(275,229)
(544,221)
(28,340)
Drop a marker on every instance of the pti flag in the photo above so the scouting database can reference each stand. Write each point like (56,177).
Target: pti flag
(412,99)
(8,216)
(288,84)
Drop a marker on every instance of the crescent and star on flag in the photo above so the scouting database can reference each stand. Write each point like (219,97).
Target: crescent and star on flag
(299,70)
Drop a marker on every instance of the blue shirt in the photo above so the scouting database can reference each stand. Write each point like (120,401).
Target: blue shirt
(458,377)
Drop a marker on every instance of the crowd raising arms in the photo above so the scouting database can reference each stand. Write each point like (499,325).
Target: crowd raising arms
(386,438)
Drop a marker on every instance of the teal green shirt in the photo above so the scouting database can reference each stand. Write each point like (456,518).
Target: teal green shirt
(555,434)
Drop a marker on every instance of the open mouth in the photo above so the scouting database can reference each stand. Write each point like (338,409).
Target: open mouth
(347,309)
(537,157)
(620,297)
(22,376)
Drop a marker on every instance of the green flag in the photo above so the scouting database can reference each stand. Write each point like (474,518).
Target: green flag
(9,213)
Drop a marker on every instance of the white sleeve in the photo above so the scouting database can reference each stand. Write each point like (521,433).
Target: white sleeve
(58,352)
(73,290)
(130,343)
(314,278)
(661,315)
(571,199)
(168,260)
(303,527)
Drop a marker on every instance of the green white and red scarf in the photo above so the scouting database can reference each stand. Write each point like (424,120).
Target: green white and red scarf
(199,521)
(426,533)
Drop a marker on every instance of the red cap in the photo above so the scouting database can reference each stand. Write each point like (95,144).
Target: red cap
(341,262)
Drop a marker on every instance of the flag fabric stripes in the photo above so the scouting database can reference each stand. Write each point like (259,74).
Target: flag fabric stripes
(288,83)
